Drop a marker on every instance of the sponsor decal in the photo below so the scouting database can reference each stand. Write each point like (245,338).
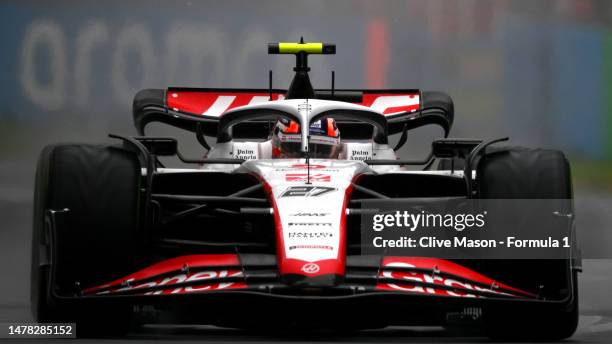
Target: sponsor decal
(320,247)
(310,268)
(198,281)
(305,166)
(289,137)
(318,169)
(313,224)
(310,214)
(324,139)
(360,154)
(306,191)
(310,235)
(246,154)
(303,177)
(410,281)
(304,107)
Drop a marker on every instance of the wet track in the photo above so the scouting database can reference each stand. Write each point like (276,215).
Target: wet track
(592,329)
(15,208)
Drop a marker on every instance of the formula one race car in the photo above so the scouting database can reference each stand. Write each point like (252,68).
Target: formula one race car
(265,229)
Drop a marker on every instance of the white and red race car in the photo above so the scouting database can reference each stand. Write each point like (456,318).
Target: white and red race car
(252,236)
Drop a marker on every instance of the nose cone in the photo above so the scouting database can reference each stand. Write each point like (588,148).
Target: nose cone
(322,273)
(320,281)
(310,218)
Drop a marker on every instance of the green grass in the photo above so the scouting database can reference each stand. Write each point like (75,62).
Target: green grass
(593,175)
(15,138)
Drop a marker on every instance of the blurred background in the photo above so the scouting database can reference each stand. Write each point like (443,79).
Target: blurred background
(537,71)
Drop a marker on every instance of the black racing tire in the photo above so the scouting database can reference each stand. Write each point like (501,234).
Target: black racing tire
(97,238)
(523,173)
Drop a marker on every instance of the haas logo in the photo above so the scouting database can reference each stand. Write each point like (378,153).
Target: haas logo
(310,268)
(302,177)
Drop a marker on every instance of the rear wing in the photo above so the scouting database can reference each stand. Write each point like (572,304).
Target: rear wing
(200,109)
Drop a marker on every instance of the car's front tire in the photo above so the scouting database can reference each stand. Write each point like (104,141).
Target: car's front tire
(522,173)
(95,239)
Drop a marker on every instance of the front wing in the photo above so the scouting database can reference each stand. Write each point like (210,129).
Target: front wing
(256,272)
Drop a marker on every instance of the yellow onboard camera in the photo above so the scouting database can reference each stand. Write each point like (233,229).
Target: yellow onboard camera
(295,48)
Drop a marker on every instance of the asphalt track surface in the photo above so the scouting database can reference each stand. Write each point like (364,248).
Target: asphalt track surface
(15,210)
(594,327)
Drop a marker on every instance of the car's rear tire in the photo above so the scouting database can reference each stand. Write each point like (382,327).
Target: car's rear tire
(96,239)
(522,173)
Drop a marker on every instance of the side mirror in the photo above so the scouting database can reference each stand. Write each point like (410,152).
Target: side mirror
(453,148)
(160,146)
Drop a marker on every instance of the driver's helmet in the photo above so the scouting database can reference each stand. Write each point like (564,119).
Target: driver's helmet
(324,140)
